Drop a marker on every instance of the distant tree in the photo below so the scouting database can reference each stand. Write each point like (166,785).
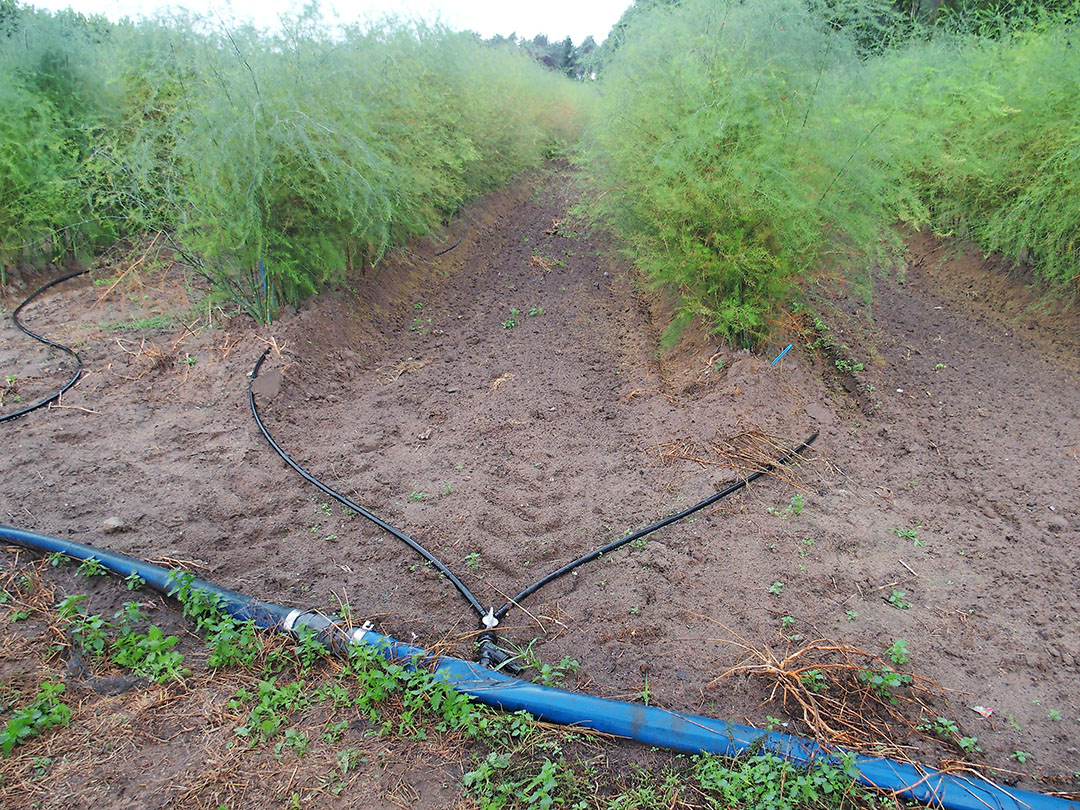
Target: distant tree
(580,66)
(561,56)
(538,48)
(9,17)
(499,40)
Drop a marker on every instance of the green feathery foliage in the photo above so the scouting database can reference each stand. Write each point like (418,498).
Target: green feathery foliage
(279,160)
(990,138)
(741,151)
(743,148)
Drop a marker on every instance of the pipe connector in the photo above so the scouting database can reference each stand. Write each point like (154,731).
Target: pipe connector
(489,654)
(328,630)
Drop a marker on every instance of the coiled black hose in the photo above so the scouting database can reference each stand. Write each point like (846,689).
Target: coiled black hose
(78,363)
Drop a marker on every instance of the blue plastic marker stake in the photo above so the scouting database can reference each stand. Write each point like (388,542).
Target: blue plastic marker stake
(266,298)
(785,351)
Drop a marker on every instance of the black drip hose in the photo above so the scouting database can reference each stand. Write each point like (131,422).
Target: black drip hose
(622,541)
(458,242)
(78,363)
(382,524)
(489,652)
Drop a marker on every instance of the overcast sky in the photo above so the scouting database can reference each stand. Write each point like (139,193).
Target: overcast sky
(556,18)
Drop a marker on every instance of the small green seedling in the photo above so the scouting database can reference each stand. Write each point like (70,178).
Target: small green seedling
(793,509)
(898,599)
(91,567)
(942,727)
(910,534)
(44,712)
(969,745)
(815,681)
(776,588)
(898,651)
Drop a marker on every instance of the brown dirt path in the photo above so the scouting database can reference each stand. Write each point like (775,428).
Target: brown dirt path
(509,450)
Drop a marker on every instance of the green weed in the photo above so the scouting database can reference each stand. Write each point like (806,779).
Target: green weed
(765,780)
(91,567)
(898,599)
(814,680)
(793,509)
(88,633)
(231,642)
(270,706)
(495,782)
(910,534)
(164,321)
(150,654)
(898,652)
(969,745)
(546,674)
(44,712)
(884,681)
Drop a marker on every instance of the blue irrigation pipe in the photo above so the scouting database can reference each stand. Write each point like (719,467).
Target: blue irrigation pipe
(648,725)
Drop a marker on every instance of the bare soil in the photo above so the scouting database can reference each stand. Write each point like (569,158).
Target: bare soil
(511,442)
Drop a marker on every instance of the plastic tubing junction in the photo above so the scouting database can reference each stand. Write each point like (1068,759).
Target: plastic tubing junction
(648,725)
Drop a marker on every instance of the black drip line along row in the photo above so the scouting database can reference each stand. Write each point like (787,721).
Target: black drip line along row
(488,651)
(67,349)
(74,355)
